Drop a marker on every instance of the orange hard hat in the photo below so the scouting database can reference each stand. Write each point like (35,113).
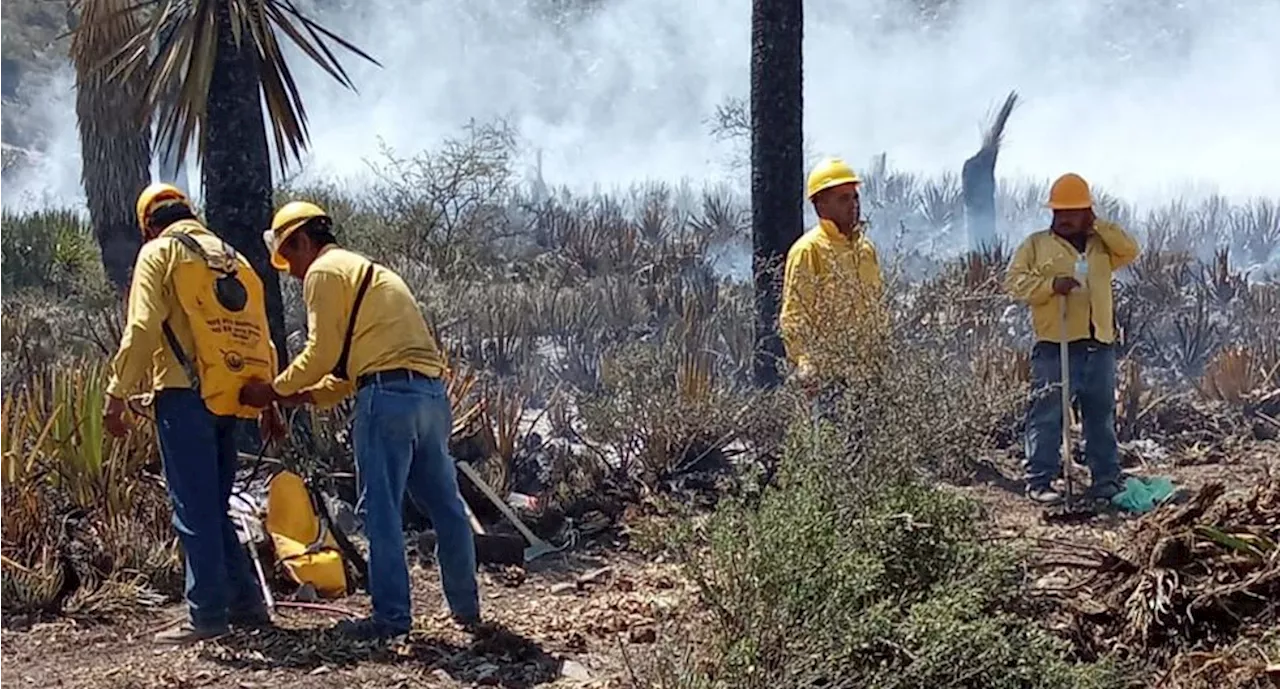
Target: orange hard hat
(1070,192)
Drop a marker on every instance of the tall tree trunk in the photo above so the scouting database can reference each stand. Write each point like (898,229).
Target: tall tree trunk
(236,166)
(777,164)
(115,139)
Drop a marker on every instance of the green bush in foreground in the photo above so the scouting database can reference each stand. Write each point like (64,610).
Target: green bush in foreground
(889,585)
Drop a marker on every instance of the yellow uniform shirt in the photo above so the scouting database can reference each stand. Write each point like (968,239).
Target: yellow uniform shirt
(829,278)
(144,356)
(1090,312)
(390,330)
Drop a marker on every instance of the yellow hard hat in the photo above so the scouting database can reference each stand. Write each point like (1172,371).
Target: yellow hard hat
(1069,192)
(289,218)
(157,196)
(831,172)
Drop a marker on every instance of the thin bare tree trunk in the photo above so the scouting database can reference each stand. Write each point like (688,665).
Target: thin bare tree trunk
(978,181)
(777,164)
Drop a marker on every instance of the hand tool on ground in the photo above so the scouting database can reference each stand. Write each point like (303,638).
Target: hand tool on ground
(537,547)
(268,599)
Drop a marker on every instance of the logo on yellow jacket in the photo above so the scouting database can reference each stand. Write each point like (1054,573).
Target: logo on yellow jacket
(222,296)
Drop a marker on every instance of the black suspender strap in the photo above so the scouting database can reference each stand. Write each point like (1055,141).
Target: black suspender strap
(340,370)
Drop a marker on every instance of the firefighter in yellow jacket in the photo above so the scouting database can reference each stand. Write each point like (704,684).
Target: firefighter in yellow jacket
(1071,262)
(832,273)
(366,334)
(188,285)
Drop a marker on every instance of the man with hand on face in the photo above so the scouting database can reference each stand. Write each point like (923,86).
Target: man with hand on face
(832,274)
(1071,262)
(366,333)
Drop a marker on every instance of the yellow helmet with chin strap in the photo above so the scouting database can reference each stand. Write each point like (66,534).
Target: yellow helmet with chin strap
(287,220)
(831,172)
(157,196)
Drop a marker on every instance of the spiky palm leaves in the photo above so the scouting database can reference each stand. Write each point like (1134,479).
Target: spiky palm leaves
(205,67)
(186,37)
(115,141)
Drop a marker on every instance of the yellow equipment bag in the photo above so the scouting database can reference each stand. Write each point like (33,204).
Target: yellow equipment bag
(305,548)
(222,296)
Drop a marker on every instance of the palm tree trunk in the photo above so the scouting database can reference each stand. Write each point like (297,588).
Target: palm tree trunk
(236,166)
(115,142)
(777,164)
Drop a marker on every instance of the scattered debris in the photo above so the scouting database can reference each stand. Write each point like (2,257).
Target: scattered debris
(1186,580)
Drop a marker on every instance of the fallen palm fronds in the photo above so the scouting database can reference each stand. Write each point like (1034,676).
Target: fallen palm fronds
(1200,579)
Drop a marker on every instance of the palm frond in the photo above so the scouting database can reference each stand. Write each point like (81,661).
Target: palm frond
(175,48)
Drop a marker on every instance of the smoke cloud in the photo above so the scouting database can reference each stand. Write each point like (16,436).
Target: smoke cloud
(1148,98)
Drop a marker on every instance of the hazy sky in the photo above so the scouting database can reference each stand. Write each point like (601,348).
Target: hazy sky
(1150,100)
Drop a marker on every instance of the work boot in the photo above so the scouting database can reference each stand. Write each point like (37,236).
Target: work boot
(187,633)
(1044,495)
(1103,491)
(367,629)
(472,624)
(256,618)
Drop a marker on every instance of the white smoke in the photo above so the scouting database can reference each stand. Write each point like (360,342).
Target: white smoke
(1147,98)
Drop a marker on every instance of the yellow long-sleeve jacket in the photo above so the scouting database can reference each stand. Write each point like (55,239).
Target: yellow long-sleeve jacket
(1090,312)
(144,361)
(830,280)
(390,330)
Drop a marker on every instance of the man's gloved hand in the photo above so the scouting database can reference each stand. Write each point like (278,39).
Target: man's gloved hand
(258,393)
(113,417)
(1064,285)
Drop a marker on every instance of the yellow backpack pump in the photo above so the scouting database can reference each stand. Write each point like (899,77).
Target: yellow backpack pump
(222,296)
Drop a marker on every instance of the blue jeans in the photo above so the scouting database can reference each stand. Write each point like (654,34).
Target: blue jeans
(1093,384)
(199,456)
(401,435)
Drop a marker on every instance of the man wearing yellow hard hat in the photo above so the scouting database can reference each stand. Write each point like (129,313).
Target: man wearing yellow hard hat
(365,333)
(832,272)
(1064,274)
(187,283)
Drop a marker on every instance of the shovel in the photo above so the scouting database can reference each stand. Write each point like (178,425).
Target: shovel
(537,547)
(1071,510)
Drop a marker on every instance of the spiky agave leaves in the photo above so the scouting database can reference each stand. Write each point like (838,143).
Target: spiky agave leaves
(174,50)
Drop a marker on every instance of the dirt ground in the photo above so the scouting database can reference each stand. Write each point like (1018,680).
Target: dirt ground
(999,489)
(564,622)
(569,620)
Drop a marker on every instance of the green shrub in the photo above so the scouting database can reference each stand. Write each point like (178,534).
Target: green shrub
(890,585)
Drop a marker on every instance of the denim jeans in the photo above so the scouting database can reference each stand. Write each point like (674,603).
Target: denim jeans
(1093,384)
(401,436)
(199,456)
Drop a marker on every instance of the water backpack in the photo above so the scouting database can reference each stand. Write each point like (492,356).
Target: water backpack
(305,546)
(222,296)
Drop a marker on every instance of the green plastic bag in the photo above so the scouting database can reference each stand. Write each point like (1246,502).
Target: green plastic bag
(1141,495)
